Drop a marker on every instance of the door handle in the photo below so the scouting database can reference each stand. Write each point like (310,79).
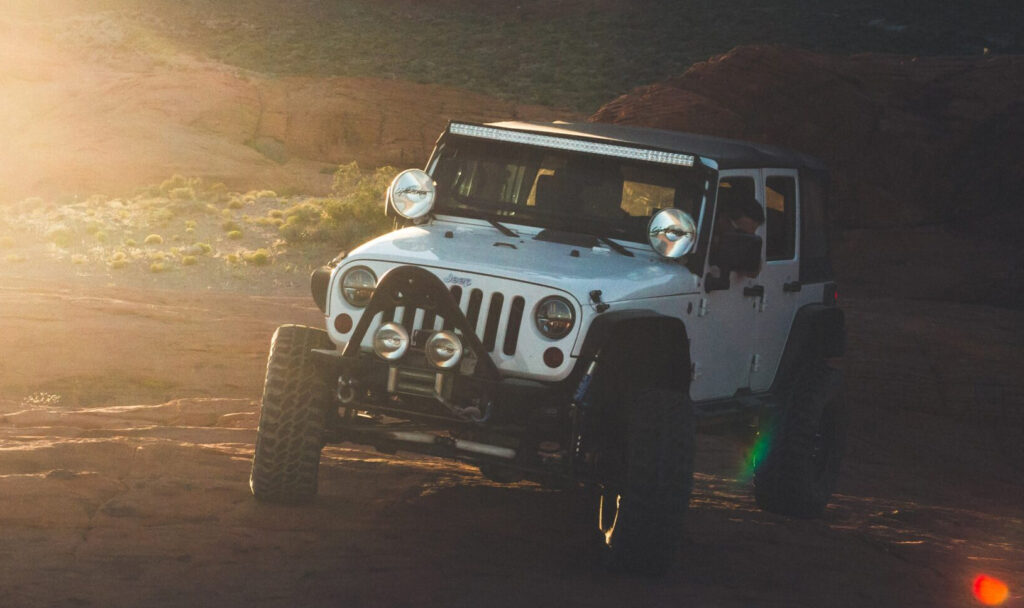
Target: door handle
(792,287)
(757,291)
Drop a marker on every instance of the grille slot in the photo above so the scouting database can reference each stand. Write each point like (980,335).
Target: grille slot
(473,312)
(493,317)
(515,319)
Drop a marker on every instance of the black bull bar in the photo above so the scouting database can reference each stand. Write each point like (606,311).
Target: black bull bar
(414,287)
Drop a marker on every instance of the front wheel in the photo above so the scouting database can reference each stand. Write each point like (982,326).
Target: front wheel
(641,515)
(296,396)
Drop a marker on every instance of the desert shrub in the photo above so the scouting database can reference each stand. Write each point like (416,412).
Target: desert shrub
(203,248)
(180,182)
(260,257)
(182,194)
(130,242)
(235,235)
(189,260)
(101,237)
(236,203)
(276,213)
(15,257)
(232,258)
(157,267)
(117,264)
(60,235)
(79,259)
(351,215)
(154,239)
(217,191)
(230,225)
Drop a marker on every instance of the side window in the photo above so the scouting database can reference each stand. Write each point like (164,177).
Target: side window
(780,218)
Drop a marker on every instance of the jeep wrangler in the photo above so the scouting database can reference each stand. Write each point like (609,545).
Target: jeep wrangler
(568,303)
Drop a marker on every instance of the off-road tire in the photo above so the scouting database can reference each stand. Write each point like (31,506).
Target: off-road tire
(296,396)
(645,530)
(804,445)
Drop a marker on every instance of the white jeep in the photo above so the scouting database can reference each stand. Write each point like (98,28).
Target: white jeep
(567,303)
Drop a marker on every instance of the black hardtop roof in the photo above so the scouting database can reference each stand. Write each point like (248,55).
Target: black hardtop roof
(728,153)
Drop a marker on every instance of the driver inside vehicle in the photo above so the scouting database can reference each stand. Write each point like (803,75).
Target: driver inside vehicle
(738,213)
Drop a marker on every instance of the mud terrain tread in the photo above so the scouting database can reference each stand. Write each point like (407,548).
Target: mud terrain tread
(292,417)
(659,480)
(786,481)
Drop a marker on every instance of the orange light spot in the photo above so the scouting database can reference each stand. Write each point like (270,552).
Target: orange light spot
(990,591)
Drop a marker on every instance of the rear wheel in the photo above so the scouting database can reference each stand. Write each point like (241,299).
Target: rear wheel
(641,514)
(805,444)
(296,397)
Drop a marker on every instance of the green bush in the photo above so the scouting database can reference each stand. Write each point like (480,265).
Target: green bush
(230,226)
(260,257)
(351,215)
(154,239)
(189,260)
(235,235)
(60,235)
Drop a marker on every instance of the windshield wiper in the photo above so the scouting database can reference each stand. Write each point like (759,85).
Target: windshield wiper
(502,228)
(615,246)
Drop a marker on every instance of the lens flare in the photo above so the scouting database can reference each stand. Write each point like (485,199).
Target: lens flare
(756,454)
(990,590)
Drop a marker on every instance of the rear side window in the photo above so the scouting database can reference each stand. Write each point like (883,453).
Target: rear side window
(780,218)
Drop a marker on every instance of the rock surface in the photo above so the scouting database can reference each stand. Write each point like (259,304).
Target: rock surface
(926,160)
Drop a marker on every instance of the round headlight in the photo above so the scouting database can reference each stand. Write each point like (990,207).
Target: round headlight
(412,193)
(357,286)
(391,341)
(444,350)
(554,317)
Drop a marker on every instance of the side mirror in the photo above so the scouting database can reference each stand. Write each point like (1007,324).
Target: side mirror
(734,252)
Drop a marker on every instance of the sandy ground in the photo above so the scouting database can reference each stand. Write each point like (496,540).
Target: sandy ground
(128,419)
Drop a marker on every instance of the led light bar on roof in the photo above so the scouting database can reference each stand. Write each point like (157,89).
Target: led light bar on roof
(573,145)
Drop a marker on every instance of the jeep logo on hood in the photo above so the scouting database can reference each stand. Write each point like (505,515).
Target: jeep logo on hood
(461,281)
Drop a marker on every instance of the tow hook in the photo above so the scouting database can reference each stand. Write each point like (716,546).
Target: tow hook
(346,393)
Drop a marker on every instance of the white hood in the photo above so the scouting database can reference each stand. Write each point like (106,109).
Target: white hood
(478,247)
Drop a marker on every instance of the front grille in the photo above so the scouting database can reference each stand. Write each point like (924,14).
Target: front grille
(494,316)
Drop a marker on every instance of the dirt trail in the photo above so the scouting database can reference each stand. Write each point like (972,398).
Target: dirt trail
(148,505)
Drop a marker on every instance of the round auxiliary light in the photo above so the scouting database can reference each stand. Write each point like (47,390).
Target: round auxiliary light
(391,341)
(444,350)
(357,285)
(672,233)
(554,317)
(412,193)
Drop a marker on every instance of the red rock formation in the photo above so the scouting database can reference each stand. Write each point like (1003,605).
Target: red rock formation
(911,140)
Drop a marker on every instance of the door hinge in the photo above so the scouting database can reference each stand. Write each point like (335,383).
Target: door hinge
(702,308)
(755,363)
(694,371)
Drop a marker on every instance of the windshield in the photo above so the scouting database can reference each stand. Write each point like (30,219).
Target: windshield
(603,196)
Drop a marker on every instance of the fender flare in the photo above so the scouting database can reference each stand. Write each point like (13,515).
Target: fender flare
(661,341)
(818,331)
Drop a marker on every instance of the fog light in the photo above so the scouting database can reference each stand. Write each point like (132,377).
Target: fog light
(391,341)
(553,357)
(343,324)
(444,350)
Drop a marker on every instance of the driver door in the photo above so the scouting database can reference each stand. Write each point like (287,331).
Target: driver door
(724,332)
